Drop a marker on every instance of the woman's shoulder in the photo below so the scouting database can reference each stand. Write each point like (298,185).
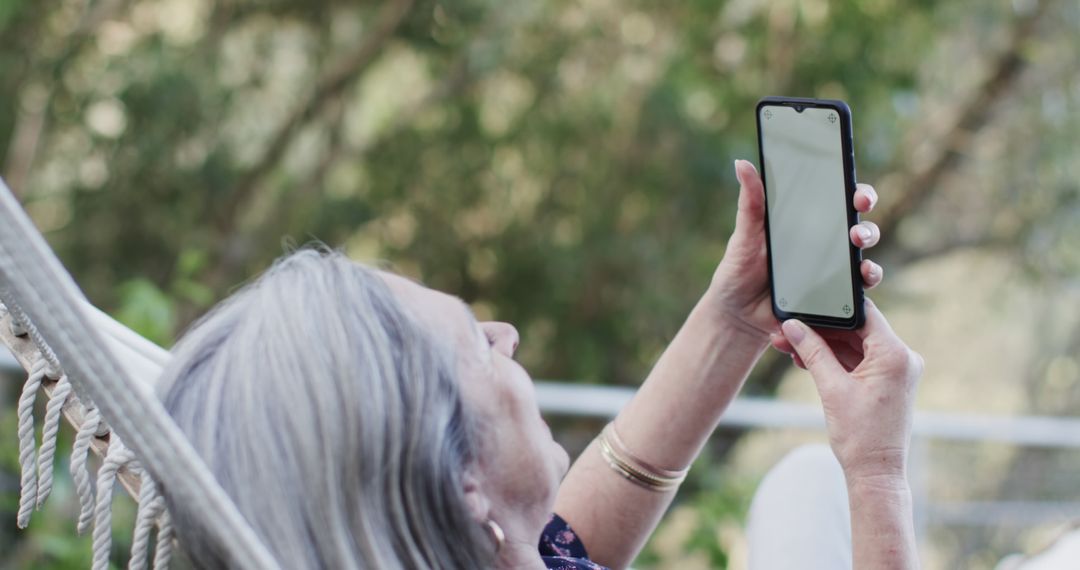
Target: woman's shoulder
(561,548)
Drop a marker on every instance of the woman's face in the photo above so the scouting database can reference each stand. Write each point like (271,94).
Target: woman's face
(520,465)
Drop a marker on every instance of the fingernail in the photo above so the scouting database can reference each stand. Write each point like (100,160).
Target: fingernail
(738,175)
(863,231)
(794,331)
(875,269)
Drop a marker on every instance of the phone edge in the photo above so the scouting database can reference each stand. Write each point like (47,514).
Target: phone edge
(858,319)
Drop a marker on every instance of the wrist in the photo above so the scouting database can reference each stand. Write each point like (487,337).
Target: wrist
(888,500)
(726,315)
(878,484)
(874,465)
(882,523)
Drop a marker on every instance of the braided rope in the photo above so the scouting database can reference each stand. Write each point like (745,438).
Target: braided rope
(117,457)
(164,547)
(49,432)
(34,280)
(80,473)
(17,328)
(22,326)
(151,504)
(27,451)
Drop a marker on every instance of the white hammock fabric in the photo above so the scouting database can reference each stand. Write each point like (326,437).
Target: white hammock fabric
(104,374)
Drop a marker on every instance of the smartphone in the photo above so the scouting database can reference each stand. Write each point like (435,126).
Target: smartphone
(808,167)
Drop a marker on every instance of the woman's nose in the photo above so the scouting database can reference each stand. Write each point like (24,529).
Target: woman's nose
(504,337)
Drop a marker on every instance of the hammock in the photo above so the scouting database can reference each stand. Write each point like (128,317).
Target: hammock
(100,375)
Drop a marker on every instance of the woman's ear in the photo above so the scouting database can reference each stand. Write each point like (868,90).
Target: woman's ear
(477,502)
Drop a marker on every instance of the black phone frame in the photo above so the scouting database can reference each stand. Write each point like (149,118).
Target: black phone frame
(858,317)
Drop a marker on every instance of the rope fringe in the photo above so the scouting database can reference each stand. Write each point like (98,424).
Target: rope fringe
(80,473)
(117,457)
(151,506)
(27,447)
(49,432)
(164,547)
(37,463)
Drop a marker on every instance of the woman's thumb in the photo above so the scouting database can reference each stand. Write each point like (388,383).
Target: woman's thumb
(813,350)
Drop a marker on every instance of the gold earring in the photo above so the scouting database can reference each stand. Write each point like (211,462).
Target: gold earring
(497,534)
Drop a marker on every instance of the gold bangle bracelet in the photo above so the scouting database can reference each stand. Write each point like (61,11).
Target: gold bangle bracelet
(633,475)
(626,465)
(617,444)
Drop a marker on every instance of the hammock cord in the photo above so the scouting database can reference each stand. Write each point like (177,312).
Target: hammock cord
(27,446)
(49,433)
(163,549)
(46,302)
(21,326)
(117,457)
(37,471)
(80,473)
(151,507)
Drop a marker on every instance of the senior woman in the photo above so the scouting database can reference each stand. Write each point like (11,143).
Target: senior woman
(361,420)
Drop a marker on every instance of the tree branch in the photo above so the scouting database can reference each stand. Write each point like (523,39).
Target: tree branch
(908,256)
(232,249)
(329,86)
(30,125)
(922,181)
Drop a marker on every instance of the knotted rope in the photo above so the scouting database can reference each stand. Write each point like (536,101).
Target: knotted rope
(38,462)
(117,457)
(21,326)
(27,452)
(79,471)
(49,431)
(33,280)
(163,549)
(151,507)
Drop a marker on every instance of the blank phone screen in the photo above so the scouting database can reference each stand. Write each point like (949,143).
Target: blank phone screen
(807,202)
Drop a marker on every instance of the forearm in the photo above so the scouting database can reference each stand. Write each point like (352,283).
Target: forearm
(612,516)
(666,424)
(678,406)
(882,525)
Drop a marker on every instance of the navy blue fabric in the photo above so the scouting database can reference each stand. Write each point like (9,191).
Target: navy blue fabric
(561,548)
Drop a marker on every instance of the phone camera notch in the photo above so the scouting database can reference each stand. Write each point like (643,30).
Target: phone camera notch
(799,108)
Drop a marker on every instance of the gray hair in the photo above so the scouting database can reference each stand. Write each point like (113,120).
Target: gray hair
(333,421)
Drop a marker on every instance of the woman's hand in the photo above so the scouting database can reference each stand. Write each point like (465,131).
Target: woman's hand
(741,282)
(866,379)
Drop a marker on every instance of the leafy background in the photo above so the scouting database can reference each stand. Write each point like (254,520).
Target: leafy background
(566,166)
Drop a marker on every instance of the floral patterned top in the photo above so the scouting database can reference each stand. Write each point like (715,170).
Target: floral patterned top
(561,549)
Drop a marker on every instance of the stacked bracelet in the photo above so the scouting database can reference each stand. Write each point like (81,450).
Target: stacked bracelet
(619,458)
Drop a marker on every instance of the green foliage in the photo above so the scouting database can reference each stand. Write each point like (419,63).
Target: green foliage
(8,10)
(146,310)
(701,525)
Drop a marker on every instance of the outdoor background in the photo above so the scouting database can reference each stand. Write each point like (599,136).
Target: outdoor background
(566,165)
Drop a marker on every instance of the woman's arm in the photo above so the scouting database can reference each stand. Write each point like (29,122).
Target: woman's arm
(866,380)
(679,405)
(666,423)
(882,525)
